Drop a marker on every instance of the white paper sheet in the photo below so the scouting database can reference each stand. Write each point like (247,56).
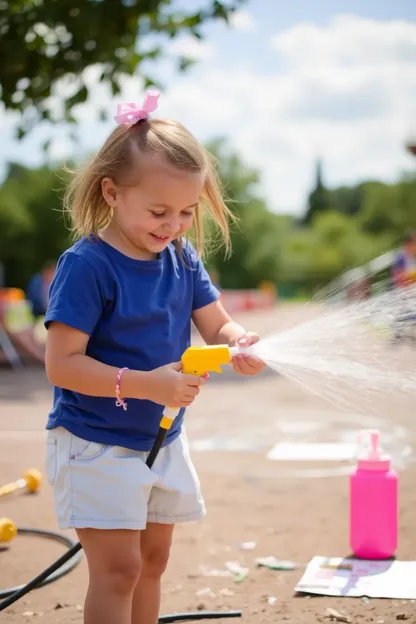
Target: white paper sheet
(337,576)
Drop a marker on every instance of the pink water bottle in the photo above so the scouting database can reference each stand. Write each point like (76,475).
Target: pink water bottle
(373,503)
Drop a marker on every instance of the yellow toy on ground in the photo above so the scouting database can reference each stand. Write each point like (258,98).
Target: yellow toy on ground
(31,481)
(8,530)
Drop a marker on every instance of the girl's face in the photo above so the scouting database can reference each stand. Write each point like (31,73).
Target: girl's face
(159,209)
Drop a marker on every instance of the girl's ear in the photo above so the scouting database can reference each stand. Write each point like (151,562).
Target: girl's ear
(109,191)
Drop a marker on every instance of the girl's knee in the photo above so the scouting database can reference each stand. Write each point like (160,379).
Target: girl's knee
(155,548)
(155,560)
(118,574)
(114,558)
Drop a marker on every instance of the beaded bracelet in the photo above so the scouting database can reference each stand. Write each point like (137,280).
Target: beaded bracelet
(119,400)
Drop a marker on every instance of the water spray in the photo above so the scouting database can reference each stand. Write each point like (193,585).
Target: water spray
(347,353)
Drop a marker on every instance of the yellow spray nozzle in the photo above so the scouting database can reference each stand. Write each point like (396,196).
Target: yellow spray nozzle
(200,360)
(197,361)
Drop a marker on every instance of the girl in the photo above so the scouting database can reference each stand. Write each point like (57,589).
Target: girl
(118,320)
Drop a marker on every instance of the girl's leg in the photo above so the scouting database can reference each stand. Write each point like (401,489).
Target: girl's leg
(113,558)
(155,545)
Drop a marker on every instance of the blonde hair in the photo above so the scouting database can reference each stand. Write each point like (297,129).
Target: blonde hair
(117,159)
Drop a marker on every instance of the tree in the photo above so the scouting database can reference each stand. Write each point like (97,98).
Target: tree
(344,234)
(347,199)
(32,227)
(318,200)
(45,41)
(257,237)
(333,243)
(389,208)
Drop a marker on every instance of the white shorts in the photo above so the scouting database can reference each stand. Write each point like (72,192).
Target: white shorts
(110,487)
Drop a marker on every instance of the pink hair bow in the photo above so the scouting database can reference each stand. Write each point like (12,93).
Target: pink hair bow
(129,113)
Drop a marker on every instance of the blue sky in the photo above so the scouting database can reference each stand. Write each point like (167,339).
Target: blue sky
(288,83)
(274,15)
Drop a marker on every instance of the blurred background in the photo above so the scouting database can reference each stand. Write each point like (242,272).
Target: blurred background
(310,108)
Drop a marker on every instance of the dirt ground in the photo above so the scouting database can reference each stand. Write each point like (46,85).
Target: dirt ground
(290,509)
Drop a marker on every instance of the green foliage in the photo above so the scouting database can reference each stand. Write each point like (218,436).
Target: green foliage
(334,242)
(44,41)
(346,199)
(389,208)
(257,239)
(32,227)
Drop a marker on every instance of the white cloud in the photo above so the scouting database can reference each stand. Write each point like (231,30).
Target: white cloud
(348,41)
(346,93)
(242,20)
(59,148)
(192,48)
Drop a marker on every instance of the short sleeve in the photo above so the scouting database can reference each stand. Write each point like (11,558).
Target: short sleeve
(204,290)
(75,296)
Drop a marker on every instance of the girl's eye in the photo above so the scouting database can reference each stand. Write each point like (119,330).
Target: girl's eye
(161,214)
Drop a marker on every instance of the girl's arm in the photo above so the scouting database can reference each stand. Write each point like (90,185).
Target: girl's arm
(68,367)
(217,327)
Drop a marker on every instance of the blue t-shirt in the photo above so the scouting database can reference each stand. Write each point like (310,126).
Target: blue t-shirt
(138,315)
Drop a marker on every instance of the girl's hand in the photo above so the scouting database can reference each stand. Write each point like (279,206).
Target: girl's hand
(168,386)
(244,364)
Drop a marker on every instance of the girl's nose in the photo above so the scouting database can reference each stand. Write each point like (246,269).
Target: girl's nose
(173,225)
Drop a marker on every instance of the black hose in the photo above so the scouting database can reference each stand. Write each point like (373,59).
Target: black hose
(59,569)
(198,615)
(161,434)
